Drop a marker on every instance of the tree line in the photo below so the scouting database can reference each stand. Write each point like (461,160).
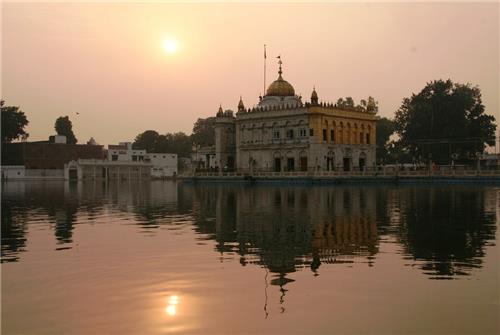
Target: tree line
(14,121)
(444,122)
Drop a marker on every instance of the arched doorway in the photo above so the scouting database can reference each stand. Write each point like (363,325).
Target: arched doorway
(362,161)
(347,161)
(303,161)
(330,161)
(277,161)
(290,161)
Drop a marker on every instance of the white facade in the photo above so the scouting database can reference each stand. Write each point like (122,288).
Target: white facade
(204,157)
(123,152)
(13,171)
(60,139)
(164,164)
(97,169)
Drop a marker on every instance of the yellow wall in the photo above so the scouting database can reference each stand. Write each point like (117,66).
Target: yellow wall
(347,125)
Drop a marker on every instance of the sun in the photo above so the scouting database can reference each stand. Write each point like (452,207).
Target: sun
(170,45)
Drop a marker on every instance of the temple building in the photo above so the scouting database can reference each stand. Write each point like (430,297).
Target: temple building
(281,133)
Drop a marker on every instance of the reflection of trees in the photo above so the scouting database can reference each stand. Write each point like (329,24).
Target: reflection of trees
(61,203)
(65,219)
(13,231)
(446,227)
(57,203)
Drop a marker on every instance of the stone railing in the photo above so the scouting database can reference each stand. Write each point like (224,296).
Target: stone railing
(368,172)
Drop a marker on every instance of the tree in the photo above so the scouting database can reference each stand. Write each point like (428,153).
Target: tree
(147,140)
(182,144)
(385,128)
(64,127)
(151,141)
(13,123)
(204,132)
(444,118)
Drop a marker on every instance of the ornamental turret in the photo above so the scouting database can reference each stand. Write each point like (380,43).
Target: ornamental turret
(314,97)
(241,106)
(221,111)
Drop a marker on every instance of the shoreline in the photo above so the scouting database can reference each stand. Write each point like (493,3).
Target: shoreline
(332,180)
(298,180)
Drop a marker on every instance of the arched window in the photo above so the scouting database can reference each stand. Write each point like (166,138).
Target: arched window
(276,132)
(341,132)
(242,134)
(289,133)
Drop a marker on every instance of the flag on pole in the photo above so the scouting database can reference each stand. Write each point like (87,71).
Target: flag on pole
(265,52)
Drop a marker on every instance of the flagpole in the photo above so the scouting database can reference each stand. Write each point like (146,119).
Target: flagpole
(265,57)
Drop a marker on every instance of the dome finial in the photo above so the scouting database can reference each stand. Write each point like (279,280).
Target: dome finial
(280,62)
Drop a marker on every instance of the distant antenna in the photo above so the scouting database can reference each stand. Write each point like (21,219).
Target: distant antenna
(265,57)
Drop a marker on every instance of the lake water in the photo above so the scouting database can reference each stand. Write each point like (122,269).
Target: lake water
(166,257)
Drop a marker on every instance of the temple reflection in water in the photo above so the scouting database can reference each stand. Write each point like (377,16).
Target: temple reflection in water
(442,230)
(288,228)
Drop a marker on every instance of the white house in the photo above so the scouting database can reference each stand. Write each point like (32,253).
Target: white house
(164,165)
(123,152)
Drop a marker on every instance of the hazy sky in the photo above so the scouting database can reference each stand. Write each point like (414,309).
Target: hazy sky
(107,62)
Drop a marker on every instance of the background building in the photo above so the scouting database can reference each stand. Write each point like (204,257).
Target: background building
(100,169)
(203,157)
(48,155)
(164,165)
(44,159)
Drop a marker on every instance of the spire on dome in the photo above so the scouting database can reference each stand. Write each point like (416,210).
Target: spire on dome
(280,71)
(280,87)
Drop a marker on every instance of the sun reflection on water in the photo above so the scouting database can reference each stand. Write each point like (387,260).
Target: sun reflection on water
(171,308)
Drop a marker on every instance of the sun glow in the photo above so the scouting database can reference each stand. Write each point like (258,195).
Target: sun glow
(170,45)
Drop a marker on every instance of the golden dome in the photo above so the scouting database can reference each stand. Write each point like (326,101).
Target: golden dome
(280,88)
